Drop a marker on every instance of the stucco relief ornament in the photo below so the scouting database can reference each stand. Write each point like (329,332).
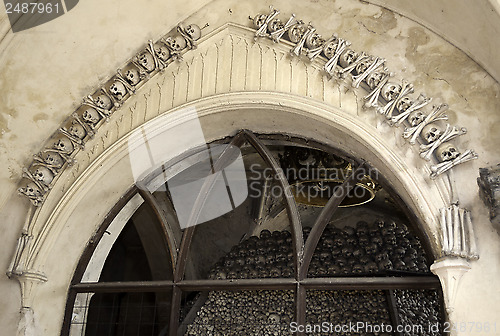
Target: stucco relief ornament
(33,192)
(146,60)
(176,44)
(132,76)
(419,120)
(435,137)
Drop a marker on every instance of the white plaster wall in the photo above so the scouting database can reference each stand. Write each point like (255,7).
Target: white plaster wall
(45,71)
(469,25)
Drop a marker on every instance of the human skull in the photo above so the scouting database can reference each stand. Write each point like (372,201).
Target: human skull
(404,103)
(416,117)
(176,43)
(330,48)
(146,60)
(314,41)
(31,190)
(274,25)
(431,132)
(390,91)
(77,130)
(296,32)
(103,102)
(447,151)
(273,319)
(43,174)
(259,20)
(132,76)
(362,66)
(374,79)
(161,51)
(91,115)
(53,159)
(347,57)
(118,90)
(385,264)
(64,145)
(193,31)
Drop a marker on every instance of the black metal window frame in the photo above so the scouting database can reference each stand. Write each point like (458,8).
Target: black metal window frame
(302,250)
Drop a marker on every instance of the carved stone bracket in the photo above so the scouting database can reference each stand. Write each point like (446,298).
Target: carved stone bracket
(450,271)
(457,233)
(489,191)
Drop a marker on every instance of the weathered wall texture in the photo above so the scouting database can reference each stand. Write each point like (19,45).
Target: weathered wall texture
(45,72)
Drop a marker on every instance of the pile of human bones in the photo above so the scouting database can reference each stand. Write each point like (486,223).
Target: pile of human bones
(382,247)
(367,249)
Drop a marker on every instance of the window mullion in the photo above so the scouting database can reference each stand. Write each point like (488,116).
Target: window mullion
(325,216)
(166,227)
(300,306)
(294,217)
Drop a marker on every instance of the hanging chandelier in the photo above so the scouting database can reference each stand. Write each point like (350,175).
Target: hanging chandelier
(314,175)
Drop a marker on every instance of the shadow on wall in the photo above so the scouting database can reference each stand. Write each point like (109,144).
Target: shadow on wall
(24,14)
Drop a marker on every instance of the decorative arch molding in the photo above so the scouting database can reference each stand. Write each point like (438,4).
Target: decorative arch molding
(64,228)
(231,82)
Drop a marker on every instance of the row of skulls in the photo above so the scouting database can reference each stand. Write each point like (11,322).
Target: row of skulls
(97,108)
(388,97)
(379,248)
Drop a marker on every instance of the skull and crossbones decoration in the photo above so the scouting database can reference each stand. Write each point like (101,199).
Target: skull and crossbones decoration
(365,68)
(436,137)
(315,43)
(339,46)
(77,131)
(33,192)
(278,29)
(450,157)
(376,80)
(261,21)
(101,103)
(394,94)
(418,121)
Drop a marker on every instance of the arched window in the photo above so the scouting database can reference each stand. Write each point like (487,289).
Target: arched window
(265,234)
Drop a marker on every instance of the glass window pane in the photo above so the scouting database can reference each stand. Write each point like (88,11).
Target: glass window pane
(253,239)
(367,246)
(139,253)
(121,314)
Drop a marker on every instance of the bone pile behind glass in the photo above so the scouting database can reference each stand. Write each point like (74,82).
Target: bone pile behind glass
(367,249)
